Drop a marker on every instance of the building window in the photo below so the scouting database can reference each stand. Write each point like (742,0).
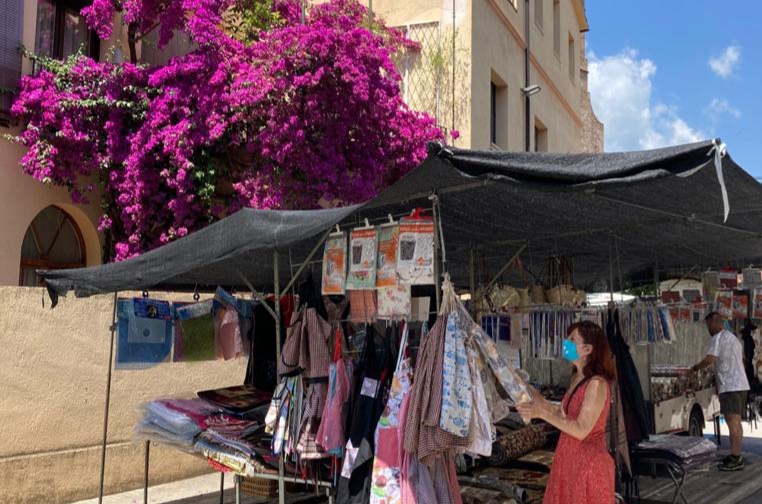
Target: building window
(557,27)
(572,59)
(11,23)
(61,31)
(493,113)
(540,136)
(52,241)
(498,113)
(539,13)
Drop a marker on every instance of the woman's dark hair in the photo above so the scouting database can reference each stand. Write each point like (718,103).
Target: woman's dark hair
(600,362)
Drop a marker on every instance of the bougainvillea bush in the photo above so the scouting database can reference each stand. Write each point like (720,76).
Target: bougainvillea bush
(265,112)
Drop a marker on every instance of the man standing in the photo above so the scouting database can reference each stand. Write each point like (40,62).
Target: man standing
(726,354)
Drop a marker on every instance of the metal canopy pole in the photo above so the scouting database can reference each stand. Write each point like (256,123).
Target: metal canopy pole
(306,262)
(276,275)
(145,474)
(507,265)
(611,270)
(108,402)
(472,280)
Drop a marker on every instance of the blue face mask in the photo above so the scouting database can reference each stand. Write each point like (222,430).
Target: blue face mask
(570,350)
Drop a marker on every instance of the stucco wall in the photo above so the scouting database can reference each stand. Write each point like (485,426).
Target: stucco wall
(21,199)
(53,369)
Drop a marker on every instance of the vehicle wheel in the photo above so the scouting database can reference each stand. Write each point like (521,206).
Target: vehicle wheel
(696,424)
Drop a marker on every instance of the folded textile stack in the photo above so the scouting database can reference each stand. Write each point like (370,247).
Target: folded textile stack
(226,441)
(176,422)
(684,451)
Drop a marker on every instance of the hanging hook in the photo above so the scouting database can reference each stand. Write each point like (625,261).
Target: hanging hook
(145,294)
(196,295)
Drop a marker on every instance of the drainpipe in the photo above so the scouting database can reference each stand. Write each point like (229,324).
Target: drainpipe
(527,62)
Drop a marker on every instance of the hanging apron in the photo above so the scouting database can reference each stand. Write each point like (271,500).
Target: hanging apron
(457,395)
(373,375)
(331,434)
(385,481)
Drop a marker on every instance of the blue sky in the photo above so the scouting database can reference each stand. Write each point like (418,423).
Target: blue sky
(674,71)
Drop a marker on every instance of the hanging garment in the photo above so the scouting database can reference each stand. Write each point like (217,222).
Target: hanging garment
(630,390)
(338,311)
(373,375)
(482,432)
(423,436)
(306,347)
(331,434)
(308,448)
(583,470)
(386,484)
(363,306)
(227,333)
(457,395)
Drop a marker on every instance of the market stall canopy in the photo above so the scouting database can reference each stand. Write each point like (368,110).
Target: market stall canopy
(660,206)
(240,245)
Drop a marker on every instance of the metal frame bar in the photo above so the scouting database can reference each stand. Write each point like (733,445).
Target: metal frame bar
(108,404)
(276,286)
(692,218)
(502,270)
(145,473)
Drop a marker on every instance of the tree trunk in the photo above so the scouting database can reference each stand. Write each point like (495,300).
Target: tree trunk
(132,31)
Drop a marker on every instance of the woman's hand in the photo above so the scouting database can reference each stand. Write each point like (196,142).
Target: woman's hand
(530,410)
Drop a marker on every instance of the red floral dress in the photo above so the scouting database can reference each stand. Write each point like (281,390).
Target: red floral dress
(583,471)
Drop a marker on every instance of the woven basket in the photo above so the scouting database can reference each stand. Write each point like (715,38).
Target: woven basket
(538,294)
(259,487)
(523,297)
(561,295)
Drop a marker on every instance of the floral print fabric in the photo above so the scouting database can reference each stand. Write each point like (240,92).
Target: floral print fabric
(457,397)
(395,302)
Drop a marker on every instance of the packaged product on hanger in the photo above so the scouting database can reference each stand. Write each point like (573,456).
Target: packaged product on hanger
(388,247)
(415,263)
(362,265)
(335,264)
(757,305)
(723,304)
(740,305)
(195,326)
(728,278)
(710,282)
(144,332)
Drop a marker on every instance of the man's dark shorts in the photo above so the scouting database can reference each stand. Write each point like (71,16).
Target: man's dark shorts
(733,403)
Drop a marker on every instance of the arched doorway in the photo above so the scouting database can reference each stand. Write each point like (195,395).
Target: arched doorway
(52,241)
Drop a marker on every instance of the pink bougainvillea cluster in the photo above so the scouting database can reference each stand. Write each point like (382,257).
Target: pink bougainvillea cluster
(305,113)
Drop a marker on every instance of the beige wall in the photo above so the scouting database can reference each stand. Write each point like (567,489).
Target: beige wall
(21,199)
(53,372)
(490,45)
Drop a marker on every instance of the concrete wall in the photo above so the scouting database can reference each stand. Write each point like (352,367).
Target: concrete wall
(53,368)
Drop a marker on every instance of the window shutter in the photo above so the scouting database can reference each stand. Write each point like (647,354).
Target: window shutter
(11,22)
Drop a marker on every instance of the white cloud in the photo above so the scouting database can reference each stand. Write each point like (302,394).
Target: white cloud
(621,90)
(726,63)
(718,107)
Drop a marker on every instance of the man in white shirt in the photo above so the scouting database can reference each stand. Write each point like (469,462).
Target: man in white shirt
(726,354)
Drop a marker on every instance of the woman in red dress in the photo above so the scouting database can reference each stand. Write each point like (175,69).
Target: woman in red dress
(583,470)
